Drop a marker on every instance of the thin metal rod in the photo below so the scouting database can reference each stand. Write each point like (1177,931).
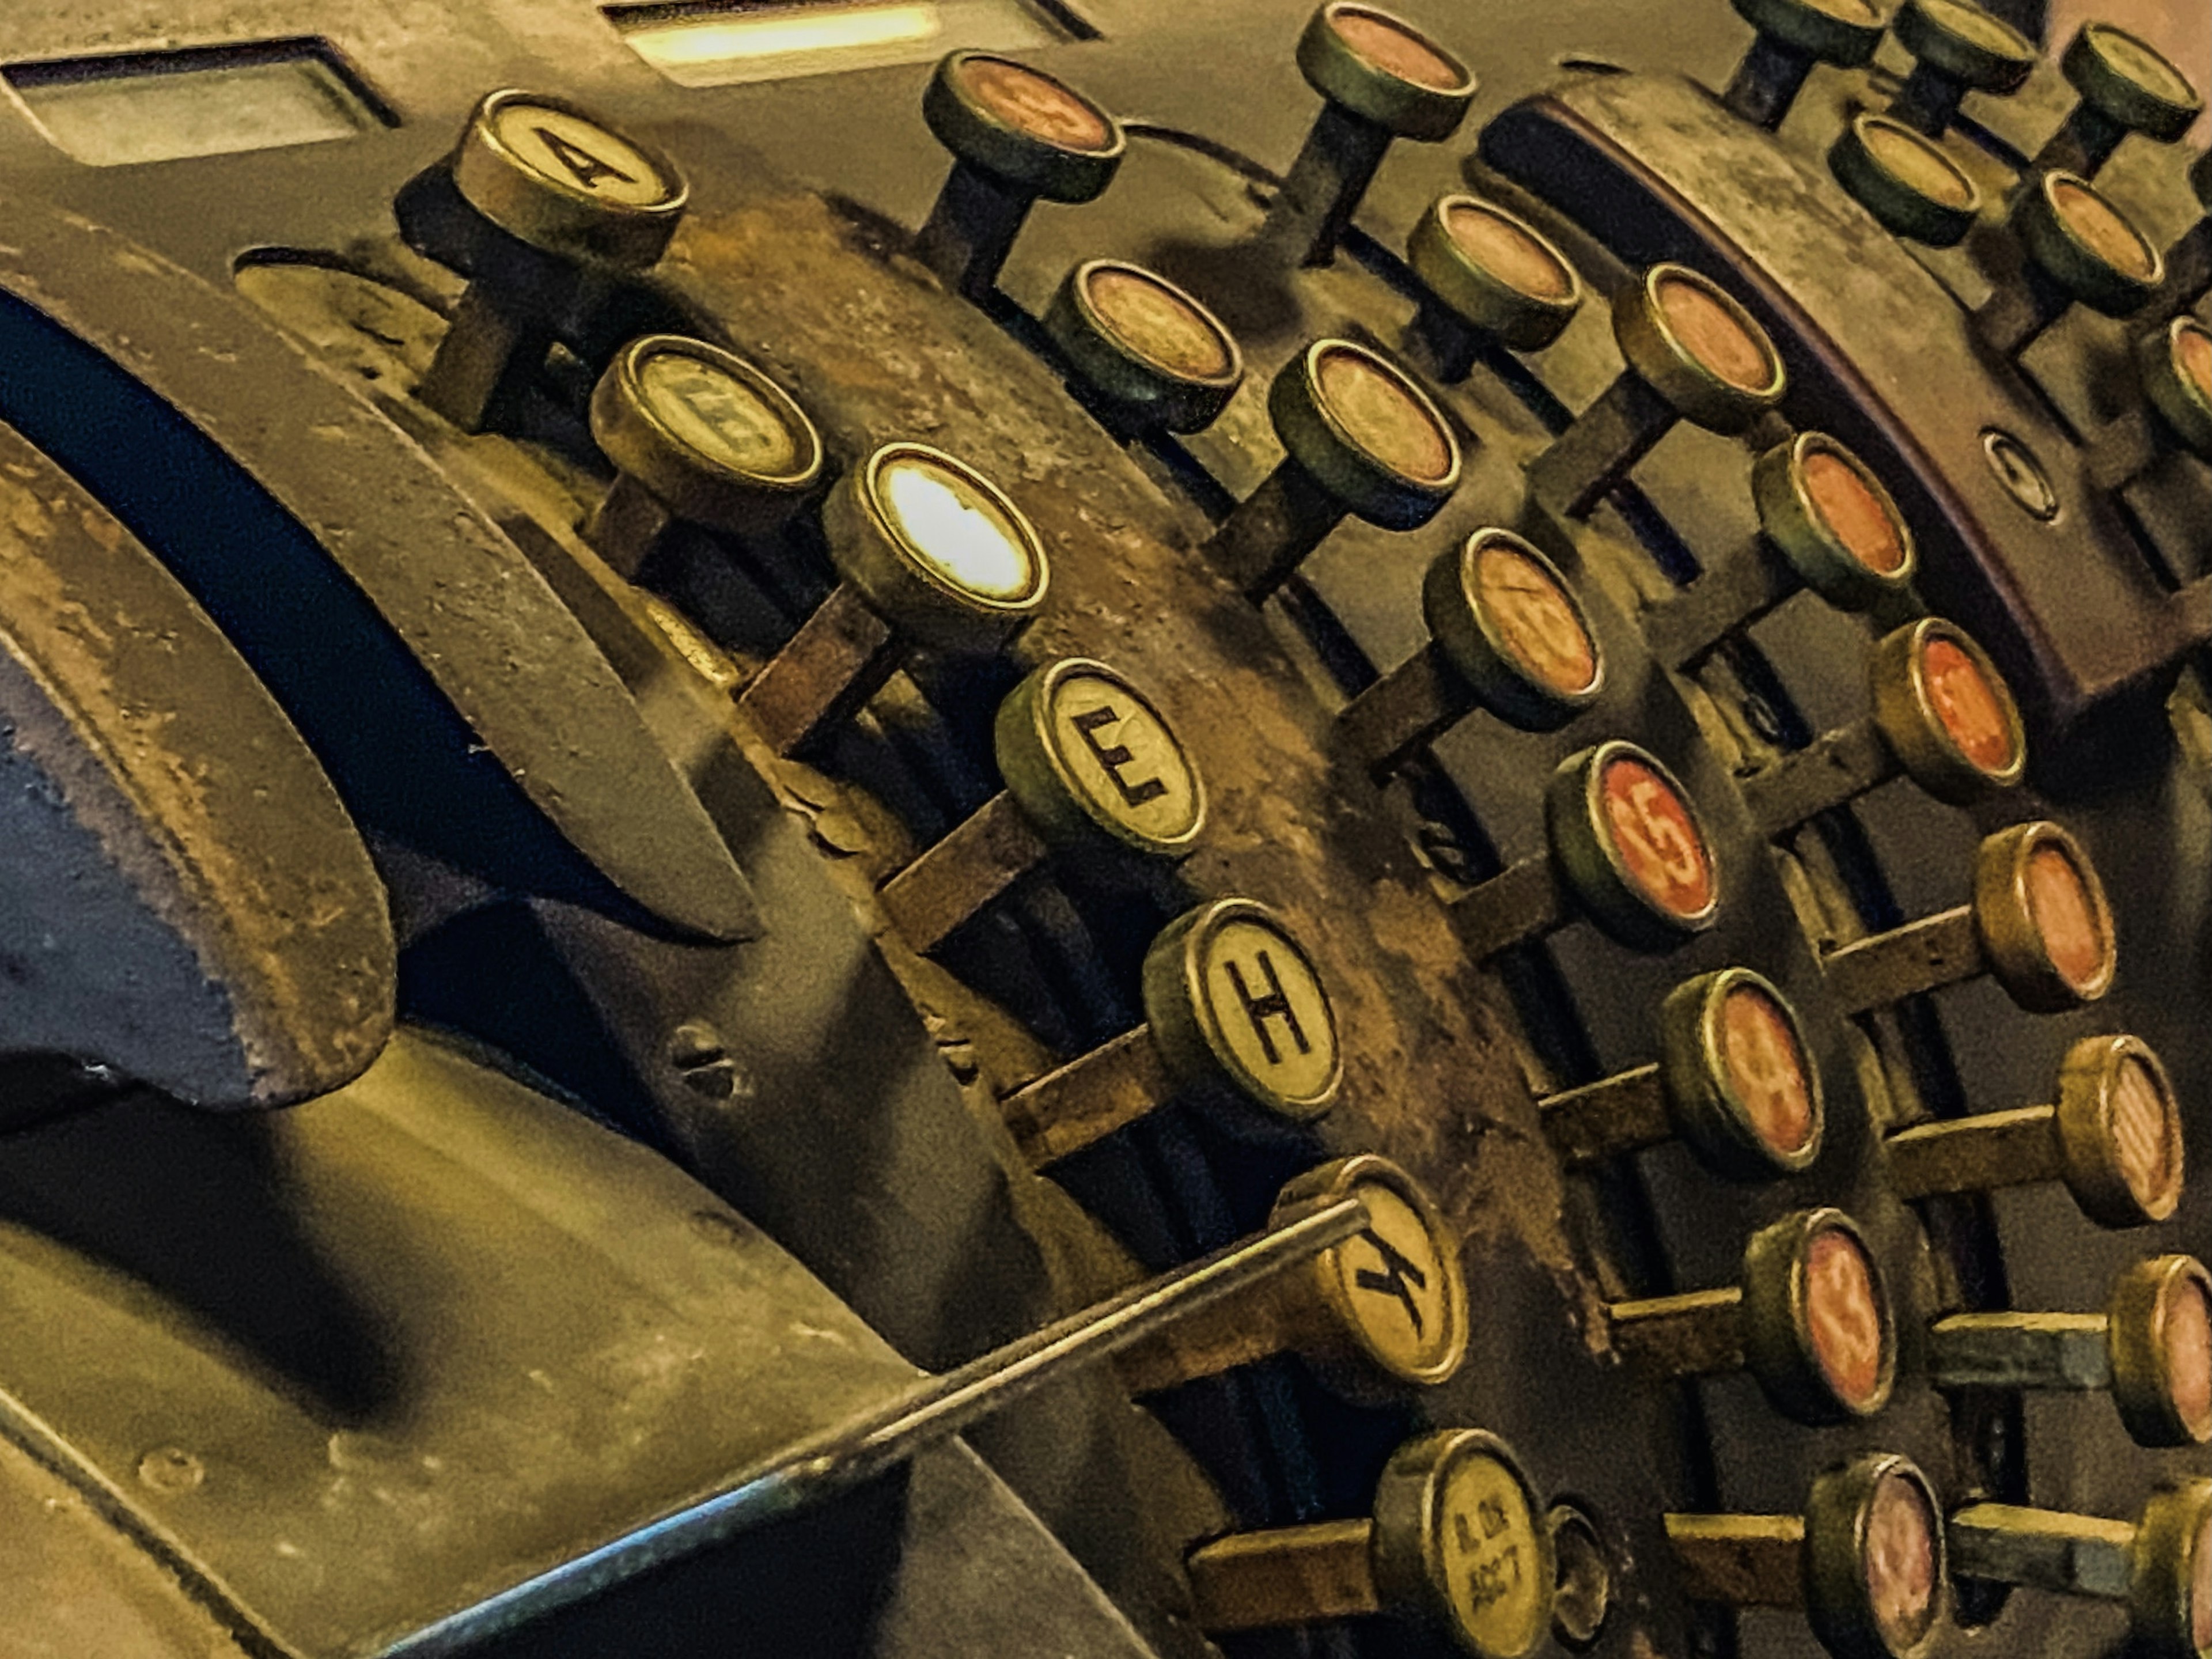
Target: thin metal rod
(904,1425)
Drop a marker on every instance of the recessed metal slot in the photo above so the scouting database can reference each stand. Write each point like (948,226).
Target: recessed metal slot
(207,100)
(724,44)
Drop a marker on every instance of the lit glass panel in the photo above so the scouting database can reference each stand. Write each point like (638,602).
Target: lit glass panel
(726,45)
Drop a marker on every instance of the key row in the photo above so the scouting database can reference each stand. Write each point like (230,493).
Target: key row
(1457,1540)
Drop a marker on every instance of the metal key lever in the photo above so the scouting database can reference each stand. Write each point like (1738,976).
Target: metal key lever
(905,1423)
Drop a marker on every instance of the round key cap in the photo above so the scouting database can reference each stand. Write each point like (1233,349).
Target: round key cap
(2114,1136)
(1359,438)
(1382,80)
(1016,134)
(1734,1081)
(2038,924)
(1489,280)
(1865,1561)
(1507,633)
(931,553)
(1793,36)
(1943,717)
(2081,249)
(1236,1017)
(1957,48)
(572,191)
(2151,1350)
(2174,364)
(1910,185)
(1094,773)
(1826,524)
(696,434)
(2126,86)
(1457,1543)
(1694,354)
(1384,1311)
(1626,848)
(1152,355)
(2161,1566)
(1810,1320)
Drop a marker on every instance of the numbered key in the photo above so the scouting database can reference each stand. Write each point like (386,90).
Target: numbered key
(2174,365)
(1793,36)
(2114,1136)
(580,199)
(2126,85)
(930,553)
(1826,524)
(1911,186)
(1358,439)
(2081,249)
(1151,357)
(1015,135)
(1381,80)
(1456,1543)
(1734,1081)
(1236,1017)
(2160,1567)
(2038,924)
(1865,1561)
(1694,354)
(2151,1350)
(1490,281)
(1627,849)
(1957,48)
(1943,717)
(1093,772)
(1809,1319)
(698,436)
(1384,1311)
(1507,633)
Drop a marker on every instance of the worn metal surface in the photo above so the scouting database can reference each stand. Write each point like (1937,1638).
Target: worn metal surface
(437,676)
(821,1100)
(182,898)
